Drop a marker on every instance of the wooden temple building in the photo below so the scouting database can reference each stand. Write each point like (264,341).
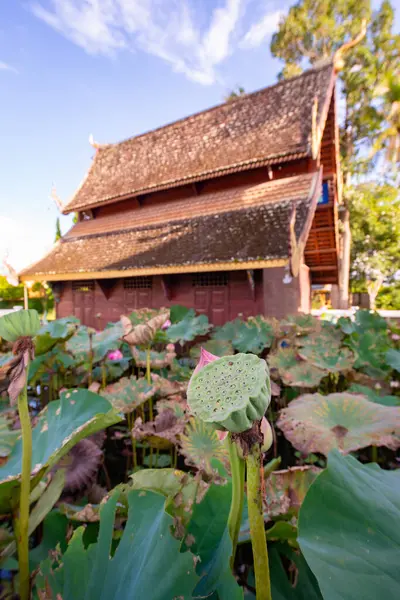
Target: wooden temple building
(232,211)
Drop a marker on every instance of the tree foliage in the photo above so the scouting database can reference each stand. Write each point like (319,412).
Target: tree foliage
(375,220)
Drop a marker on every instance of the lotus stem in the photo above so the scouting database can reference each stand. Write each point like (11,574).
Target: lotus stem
(235,514)
(148,377)
(273,465)
(22,522)
(374,454)
(130,419)
(90,358)
(257,528)
(103,375)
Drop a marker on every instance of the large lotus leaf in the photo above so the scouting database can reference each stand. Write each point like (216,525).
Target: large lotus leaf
(393,359)
(370,349)
(216,347)
(210,539)
(316,423)
(146,564)
(349,530)
(8,437)
(373,396)
(302,374)
(251,336)
(369,320)
(64,422)
(114,369)
(200,444)
(128,393)
(328,357)
(324,335)
(282,360)
(301,323)
(285,491)
(190,327)
(102,343)
(53,332)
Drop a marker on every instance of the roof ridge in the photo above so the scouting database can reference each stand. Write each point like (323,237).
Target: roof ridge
(243,98)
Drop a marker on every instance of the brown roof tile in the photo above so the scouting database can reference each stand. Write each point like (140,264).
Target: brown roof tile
(240,225)
(271,125)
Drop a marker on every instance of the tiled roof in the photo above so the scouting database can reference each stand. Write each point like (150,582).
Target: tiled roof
(244,224)
(265,127)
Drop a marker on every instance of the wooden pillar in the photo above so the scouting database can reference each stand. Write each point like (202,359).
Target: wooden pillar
(26,298)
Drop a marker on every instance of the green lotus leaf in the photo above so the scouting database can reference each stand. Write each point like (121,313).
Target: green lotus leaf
(190,327)
(302,374)
(393,359)
(328,357)
(348,530)
(325,335)
(370,348)
(373,396)
(54,332)
(114,369)
(282,360)
(316,423)
(8,437)
(19,323)
(64,422)
(215,346)
(231,392)
(367,320)
(102,343)
(147,563)
(301,323)
(128,393)
(251,336)
(200,444)
(210,540)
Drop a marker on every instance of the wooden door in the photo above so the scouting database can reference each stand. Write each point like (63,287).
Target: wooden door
(83,302)
(211,296)
(137,293)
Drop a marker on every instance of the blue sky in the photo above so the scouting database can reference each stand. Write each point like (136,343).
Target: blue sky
(111,68)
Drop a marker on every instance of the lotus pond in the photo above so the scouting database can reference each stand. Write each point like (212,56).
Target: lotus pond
(271,473)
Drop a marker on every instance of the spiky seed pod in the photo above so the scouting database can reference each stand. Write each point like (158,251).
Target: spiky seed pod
(231,392)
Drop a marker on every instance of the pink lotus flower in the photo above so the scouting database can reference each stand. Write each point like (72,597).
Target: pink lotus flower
(115,355)
(166,324)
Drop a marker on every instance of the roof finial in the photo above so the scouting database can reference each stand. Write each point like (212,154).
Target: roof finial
(94,144)
(56,198)
(338,60)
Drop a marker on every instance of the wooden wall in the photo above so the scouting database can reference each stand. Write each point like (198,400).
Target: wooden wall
(221,296)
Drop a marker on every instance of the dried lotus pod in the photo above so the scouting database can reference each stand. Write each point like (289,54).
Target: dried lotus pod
(231,392)
(137,335)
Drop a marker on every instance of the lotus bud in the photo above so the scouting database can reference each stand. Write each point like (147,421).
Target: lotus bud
(266,430)
(230,392)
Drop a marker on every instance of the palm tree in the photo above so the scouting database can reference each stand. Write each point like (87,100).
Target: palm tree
(389,138)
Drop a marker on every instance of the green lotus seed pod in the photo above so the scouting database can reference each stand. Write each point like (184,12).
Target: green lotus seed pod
(18,324)
(231,392)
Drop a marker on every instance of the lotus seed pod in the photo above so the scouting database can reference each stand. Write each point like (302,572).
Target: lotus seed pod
(21,323)
(231,392)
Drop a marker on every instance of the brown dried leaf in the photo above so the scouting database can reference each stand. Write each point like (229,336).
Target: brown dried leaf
(142,334)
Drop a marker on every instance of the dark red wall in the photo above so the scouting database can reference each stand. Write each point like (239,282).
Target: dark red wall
(99,302)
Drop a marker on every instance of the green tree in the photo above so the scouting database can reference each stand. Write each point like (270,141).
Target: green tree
(58,230)
(317,30)
(235,93)
(9,292)
(375,223)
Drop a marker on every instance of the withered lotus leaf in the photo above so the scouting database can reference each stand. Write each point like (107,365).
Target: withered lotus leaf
(348,422)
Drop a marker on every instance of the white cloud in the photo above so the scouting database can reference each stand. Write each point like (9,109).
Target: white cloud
(6,67)
(20,243)
(259,31)
(167,29)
